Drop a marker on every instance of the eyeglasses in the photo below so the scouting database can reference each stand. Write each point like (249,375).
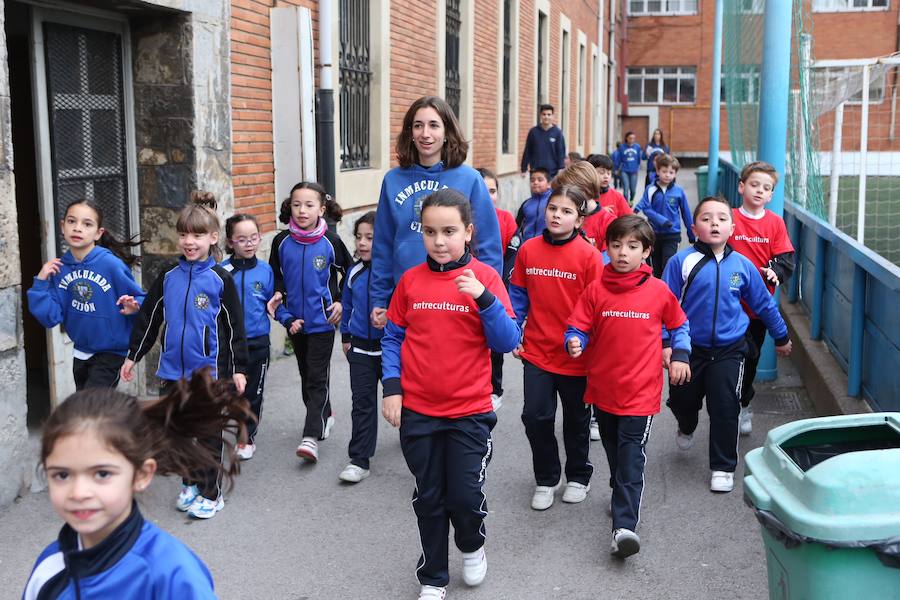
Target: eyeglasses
(243,241)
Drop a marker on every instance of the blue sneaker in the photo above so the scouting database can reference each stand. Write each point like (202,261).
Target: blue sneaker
(204,508)
(187,497)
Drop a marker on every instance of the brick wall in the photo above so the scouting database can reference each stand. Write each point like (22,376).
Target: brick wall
(488,64)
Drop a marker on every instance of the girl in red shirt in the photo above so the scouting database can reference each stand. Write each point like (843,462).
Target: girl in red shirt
(444,318)
(551,272)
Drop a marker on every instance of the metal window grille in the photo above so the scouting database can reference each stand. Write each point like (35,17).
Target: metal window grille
(452,87)
(86,105)
(507,54)
(355,80)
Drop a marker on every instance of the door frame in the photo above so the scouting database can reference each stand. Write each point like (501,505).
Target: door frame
(59,346)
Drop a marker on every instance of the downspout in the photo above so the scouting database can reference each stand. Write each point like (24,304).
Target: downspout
(611,100)
(325,99)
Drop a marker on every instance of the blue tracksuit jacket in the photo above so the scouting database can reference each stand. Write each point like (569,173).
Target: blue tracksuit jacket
(629,158)
(197,303)
(398,241)
(666,208)
(652,150)
(712,298)
(83,297)
(256,285)
(531,217)
(308,275)
(357,301)
(137,561)
(544,148)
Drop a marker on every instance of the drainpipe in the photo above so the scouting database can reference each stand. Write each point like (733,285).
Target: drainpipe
(325,99)
(611,102)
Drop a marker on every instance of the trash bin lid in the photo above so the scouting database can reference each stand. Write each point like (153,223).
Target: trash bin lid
(831,478)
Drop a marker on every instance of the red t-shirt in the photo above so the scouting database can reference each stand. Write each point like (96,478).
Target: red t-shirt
(507,226)
(594,227)
(554,275)
(445,360)
(624,350)
(612,197)
(761,239)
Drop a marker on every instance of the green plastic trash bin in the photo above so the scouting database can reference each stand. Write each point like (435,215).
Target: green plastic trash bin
(702,174)
(827,494)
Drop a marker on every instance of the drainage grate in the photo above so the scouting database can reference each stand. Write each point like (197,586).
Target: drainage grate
(780,403)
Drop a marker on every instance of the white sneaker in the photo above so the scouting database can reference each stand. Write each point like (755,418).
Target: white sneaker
(684,441)
(595,430)
(188,495)
(721,481)
(496,402)
(353,474)
(745,421)
(625,543)
(308,449)
(575,492)
(432,592)
(474,566)
(204,508)
(543,497)
(245,451)
(329,423)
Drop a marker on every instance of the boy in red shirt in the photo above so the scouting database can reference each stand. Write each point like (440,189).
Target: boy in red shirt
(628,303)
(551,272)
(609,198)
(761,236)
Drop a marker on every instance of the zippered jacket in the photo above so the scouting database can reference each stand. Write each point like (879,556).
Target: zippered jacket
(357,301)
(666,208)
(256,285)
(531,217)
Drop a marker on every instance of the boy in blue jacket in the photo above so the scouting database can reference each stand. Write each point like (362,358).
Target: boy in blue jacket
(712,280)
(628,163)
(665,204)
(530,217)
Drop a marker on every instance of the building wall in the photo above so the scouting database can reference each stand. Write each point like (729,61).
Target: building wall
(650,41)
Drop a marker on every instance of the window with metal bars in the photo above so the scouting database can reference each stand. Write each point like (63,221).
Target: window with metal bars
(355,79)
(452,84)
(507,57)
(86,107)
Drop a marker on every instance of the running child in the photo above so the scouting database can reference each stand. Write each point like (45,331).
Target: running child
(761,236)
(99,449)
(92,292)
(445,316)
(256,285)
(665,204)
(530,217)
(508,229)
(610,198)
(583,176)
(361,343)
(197,305)
(625,311)
(712,280)
(655,147)
(551,273)
(628,165)
(307,260)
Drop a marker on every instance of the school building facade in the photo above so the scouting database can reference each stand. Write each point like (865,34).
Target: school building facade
(667,62)
(134,103)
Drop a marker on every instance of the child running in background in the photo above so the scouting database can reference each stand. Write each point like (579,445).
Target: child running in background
(583,176)
(99,448)
(256,285)
(361,342)
(551,273)
(712,280)
(530,218)
(655,147)
(761,236)
(445,316)
(617,324)
(92,292)
(628,165)
(197,305)
(665,204)
(507,231)
(307,260)
(610,198)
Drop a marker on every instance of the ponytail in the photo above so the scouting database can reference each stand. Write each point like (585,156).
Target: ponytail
(333,210)
(200,217)
(120,248)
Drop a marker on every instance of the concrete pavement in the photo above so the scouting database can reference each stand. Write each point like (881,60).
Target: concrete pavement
(292,531)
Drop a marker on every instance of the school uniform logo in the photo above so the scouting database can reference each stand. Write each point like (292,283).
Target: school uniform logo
(201,301)
(257,286)
(673,201)
(735,281)
(319,262)
(82,293)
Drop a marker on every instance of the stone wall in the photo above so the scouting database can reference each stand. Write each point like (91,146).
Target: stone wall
(13,409)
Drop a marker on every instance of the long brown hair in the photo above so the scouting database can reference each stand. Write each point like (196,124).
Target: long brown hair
(165,430)
(121,248)
(455,147)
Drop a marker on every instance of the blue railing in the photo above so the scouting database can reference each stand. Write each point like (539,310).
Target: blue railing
(850,294)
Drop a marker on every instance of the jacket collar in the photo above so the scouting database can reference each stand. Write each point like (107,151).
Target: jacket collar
(197,265)
(243,264)
(619,283)
(549,238)
(453,264)
(703,248)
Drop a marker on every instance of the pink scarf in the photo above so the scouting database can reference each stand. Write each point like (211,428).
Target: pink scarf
(304,236)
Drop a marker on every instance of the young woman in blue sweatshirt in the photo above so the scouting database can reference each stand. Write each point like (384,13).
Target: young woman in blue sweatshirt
(431,150)
(656,146)
(91,291)
(307,259)
(256,285)
(628,163)
(196,304)
(361,342)
(99,449)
